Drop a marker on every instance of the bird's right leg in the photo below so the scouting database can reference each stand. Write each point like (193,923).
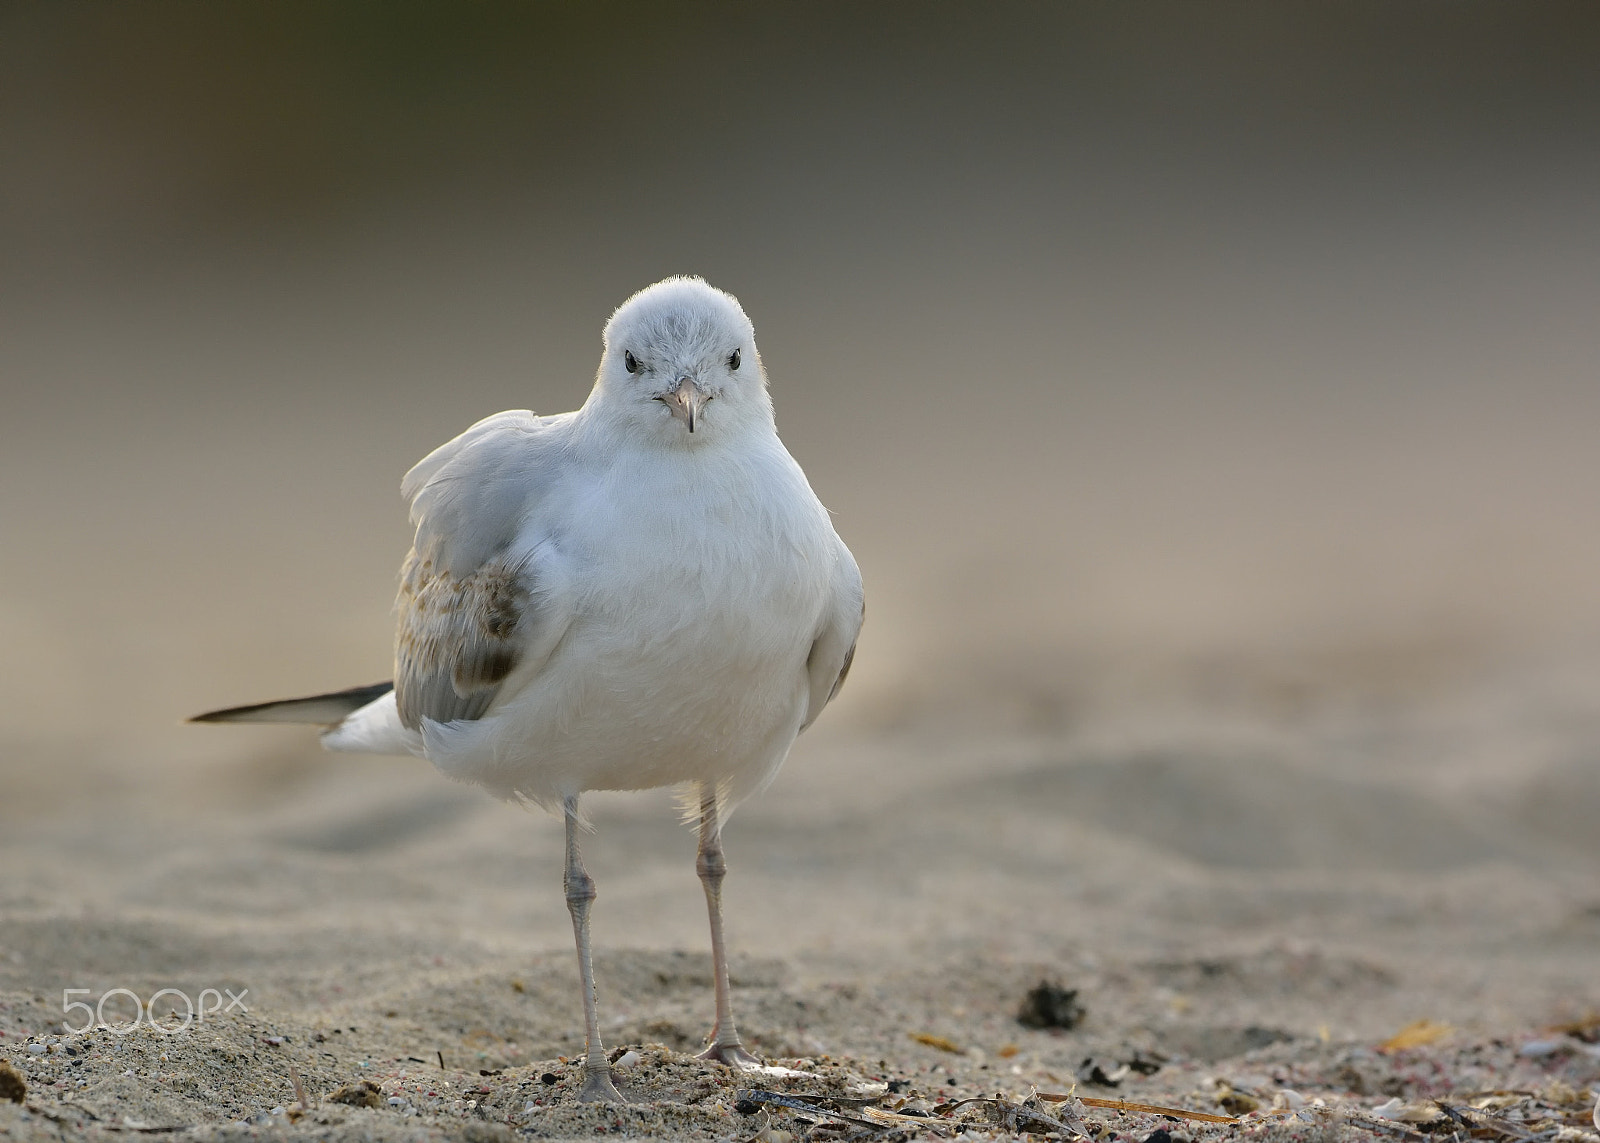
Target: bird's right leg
(597,1085)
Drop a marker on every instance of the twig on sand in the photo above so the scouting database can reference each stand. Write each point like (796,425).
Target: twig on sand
(299,1089)
(1145,1108)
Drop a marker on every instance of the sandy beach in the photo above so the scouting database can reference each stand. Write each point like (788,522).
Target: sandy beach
(1207,392)
(1241,908)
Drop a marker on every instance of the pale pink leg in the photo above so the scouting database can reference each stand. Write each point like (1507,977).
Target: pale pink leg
(725,1046)
(597,1085)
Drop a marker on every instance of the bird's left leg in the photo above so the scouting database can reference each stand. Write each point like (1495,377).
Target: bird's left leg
(725,1046)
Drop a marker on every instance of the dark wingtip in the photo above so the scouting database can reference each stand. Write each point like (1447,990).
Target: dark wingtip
(236,713)
(227,715)
(347,701)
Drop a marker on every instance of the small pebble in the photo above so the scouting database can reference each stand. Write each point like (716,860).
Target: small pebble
(628,1059)
(396,1101)
(37,1049)
(1536,1049)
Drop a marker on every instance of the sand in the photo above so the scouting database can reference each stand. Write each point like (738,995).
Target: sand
(1251,895)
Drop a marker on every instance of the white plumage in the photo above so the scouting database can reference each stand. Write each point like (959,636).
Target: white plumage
(641,593)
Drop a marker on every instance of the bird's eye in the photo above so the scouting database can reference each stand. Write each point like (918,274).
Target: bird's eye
(630,362)
(733,362)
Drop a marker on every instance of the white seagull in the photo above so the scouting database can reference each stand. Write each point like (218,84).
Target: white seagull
(641,593)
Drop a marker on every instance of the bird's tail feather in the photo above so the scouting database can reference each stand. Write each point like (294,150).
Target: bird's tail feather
(317,710)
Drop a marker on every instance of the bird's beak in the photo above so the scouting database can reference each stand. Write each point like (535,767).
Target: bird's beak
(686,401)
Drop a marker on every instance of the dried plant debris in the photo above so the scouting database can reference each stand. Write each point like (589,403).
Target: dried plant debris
(1030,1114)
(1417,1034)
(1528,1118)
(1049,1005)
(940,1042)
(1064,1115)
(1140,1108)
(221,1081)
(822,1106)
(1556,1111)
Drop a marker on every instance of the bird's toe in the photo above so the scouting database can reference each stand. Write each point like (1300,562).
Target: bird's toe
(733,1055)
(598,1088)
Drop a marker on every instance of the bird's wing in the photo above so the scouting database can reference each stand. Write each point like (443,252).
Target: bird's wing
(834,647)
(469,604)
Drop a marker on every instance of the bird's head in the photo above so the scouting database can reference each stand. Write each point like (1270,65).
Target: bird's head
(680,365)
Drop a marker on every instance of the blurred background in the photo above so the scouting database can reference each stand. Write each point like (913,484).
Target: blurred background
(1209,393)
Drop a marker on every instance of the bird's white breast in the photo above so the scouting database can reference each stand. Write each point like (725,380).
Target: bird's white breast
(694,582)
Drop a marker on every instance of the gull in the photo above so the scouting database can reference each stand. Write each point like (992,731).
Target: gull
(644,592)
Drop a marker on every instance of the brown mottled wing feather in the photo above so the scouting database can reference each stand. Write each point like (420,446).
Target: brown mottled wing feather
(459,638)
(468,618)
